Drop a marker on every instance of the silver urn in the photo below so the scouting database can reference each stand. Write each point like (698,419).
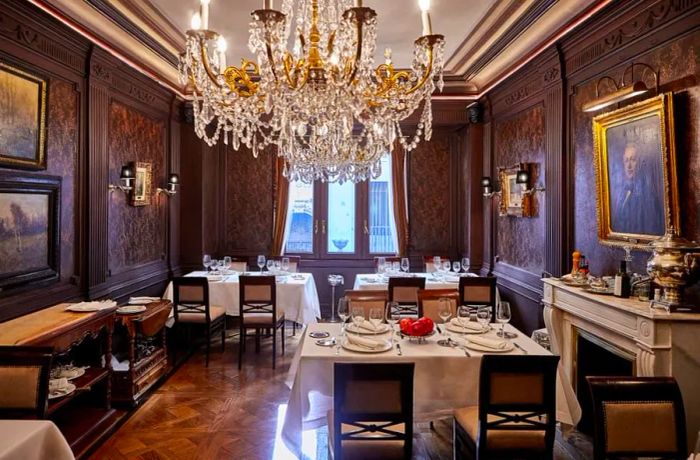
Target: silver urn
(674,265)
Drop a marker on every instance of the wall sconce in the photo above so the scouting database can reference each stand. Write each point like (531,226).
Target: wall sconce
(126,177)
(487,187)
(171,187)
(622,91)
(522,177)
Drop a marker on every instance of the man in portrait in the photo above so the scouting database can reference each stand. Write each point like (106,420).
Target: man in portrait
(636,195)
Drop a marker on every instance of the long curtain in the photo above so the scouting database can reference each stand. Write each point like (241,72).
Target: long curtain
(398,182)
(281,205)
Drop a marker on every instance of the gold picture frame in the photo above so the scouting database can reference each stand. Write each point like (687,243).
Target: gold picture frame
(141,193)
(636,179)
(514,202)
(22,118)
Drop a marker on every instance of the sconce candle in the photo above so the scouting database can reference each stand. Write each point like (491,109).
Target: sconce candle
(486,181)
(205,14)
(522,177)
(171,186)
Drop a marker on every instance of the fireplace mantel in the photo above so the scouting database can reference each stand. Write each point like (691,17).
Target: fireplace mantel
(660,343)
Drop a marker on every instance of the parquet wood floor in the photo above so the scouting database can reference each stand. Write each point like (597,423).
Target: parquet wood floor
(221,413)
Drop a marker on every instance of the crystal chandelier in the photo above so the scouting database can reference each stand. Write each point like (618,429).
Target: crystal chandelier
(331,113)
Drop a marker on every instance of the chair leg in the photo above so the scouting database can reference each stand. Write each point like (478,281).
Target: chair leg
(274,349)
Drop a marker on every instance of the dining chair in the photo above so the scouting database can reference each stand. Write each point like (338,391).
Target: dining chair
(429,302)
(239,263)
(515,417)
(638,417)
(478,290)
(404,291)
(429,265)
(258,301)
(294,262)
(372,416)
(24,381)
(191,308)
(367,299)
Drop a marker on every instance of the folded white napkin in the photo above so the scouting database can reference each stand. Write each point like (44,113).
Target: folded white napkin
(368,326)
(142,300)
(471,325)
(57,384)
(363,341)
(93,306)
(496,344)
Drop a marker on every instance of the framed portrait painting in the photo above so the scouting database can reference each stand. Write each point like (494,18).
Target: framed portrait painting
(141,194)
(29,228)
(636,178)
(22,119)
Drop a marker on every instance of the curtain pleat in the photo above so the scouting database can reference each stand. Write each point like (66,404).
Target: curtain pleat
(398,182)
(281,204)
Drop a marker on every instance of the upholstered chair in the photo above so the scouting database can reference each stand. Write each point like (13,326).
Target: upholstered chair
(404,291)
(429,302)
(258,301)
(24,381)
(367,299)
(478,290)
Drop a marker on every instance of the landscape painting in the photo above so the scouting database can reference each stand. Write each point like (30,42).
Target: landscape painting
(22,119)
(29,228)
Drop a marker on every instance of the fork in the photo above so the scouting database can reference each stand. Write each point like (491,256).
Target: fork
(466,352)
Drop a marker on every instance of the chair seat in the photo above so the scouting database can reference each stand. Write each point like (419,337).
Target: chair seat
(530,440)
(366,450)
(200,318)
(261,319)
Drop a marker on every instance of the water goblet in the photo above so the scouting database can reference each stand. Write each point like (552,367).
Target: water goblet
(393,316)
(381,262)
(357,314)
(437,264)
(446,265)
(465,264)
(270,264)
(445,313)
(396,267)
(227,263)
(405,265)
(206,261)
(503,315)
(261,262)
(483,316)
(285,264)
(463,315)
(376,317)
(278,265)
(343,313)
(456,266)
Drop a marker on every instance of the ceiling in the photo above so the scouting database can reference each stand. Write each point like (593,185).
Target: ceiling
(399,22)
(486,40)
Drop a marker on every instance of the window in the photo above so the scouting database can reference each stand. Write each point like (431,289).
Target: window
(332,220)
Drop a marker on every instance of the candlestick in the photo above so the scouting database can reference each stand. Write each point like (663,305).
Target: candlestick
(268,5)
(204,8)
(196,22)
(221,46)
(427,24)
(358,3)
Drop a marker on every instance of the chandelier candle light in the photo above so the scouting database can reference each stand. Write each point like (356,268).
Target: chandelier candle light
(329,111)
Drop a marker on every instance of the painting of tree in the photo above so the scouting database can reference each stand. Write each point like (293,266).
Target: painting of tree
(22,118)
(24,232)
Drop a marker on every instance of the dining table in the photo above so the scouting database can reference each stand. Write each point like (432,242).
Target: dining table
(445,378)
(32,440)
(297,296)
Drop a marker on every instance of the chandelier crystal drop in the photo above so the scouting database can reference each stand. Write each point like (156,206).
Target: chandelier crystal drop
(324,104)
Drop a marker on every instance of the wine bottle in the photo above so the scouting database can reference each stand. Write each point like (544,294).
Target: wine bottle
(623,284)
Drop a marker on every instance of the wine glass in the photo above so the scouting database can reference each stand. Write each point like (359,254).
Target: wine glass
(285,264)
(483,316)
(214,265)
(278,265)
(502,317)
(446,265)
(261,262)
(465,264)
(393,316)
(357,314)
(381,262)
(270,264)
(376,317)
(206,261)
(405,265)
(456,266)
(436,263)
(343,314)
(445,312)
(227,263)
(463,315)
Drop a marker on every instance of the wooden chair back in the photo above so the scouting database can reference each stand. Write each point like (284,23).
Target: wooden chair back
(191,298)
(404,291)
(24,381)
(478,290)
(258,299)
(239,263)
(517,397)
(372,403)
(367,299)
(429,302)
(638,417)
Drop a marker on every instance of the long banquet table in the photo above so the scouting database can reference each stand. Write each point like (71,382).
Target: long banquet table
(445,379)
(296,295)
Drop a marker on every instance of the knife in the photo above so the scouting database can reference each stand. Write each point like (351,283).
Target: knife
(438,328)
(398,349)
(520,348)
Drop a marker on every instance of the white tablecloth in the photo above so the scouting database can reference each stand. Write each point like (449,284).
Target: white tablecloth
(32,440)
(445,379)
(298,298)
(372,281)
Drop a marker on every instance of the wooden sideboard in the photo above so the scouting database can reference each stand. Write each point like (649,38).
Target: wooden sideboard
(141,338)
(84,417)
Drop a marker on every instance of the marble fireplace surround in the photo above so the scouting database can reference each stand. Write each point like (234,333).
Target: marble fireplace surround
(660,343)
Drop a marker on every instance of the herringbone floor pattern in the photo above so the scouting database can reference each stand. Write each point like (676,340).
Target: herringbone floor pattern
(221,413)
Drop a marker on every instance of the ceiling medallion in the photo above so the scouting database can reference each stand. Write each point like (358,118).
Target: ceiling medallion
(331,113)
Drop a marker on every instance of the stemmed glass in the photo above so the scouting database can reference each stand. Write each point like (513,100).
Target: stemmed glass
(343,314)
(437,264)
(463,315)
(396,267)
(227,263)
(456,267)
(405,264)
(465,264)
(285,264)
(381,262)
(214,266)
(503,317)
(446,265)
(261,262)
(357,314)
(206,261)
(445,313)
(270,264)
(483,316)
(393,316)
(376,317)
(278,265)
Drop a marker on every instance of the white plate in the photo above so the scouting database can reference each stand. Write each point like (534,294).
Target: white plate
(82,308)
(477,347)
(383,328)
(360,349)
(68,389)
(72,373)
(460,330)
(131,309)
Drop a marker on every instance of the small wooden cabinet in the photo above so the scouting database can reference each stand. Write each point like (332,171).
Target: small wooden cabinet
(141,340)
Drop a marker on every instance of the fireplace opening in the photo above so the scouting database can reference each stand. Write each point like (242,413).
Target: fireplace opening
(596,357)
